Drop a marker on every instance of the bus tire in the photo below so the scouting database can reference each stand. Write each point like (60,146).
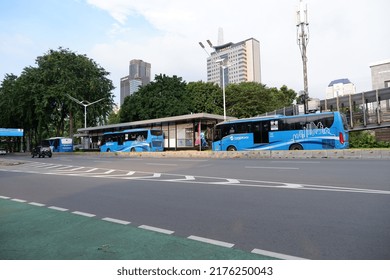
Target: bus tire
(132,150)
(296,147)
(231,149)
(108,150)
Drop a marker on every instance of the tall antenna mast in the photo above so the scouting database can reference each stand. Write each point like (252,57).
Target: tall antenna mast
(303,40)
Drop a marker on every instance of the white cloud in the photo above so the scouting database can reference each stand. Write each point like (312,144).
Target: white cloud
(345,37)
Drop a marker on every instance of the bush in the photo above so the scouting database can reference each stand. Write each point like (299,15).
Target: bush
(365,139)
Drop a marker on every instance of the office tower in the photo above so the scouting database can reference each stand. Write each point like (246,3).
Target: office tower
(139,75)
(240,62)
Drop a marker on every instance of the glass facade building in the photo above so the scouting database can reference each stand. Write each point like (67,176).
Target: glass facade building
(139,75)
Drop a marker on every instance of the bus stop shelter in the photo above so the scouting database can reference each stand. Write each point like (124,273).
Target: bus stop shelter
(180,132)
(8,138)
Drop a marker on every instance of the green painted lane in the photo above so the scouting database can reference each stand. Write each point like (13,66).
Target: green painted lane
(29,232)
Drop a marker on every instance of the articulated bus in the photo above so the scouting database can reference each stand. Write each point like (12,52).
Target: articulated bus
(133,140)
(302,132)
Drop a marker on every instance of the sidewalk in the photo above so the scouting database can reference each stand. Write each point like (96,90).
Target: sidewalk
(29,232)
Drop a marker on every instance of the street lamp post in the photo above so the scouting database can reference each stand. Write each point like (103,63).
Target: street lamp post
(85,104)
(223,64)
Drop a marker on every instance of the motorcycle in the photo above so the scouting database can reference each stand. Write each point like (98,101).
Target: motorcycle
(41,151)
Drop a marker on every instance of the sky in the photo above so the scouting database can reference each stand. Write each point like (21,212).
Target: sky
(345,36)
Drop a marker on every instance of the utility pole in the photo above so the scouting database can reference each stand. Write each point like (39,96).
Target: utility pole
(303,40)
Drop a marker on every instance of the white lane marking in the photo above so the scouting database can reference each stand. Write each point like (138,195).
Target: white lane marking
(242,182)
(228,181)
(276,255)
(293,186)
(77,168)
(89,215)
(18,200)
(155,175)
(162,164)
(52,166)
(187,178)
(58,208)
(211,241)
(111,220)
(37,204)
(92,169)
(271,167)
(130,173)
(156,229)
(109,171)
(4,197)
(65,167)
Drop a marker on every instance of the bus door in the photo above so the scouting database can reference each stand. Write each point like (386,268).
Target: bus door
(260,132)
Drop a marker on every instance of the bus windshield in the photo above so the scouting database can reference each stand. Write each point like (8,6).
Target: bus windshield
(133,140)
(302,132)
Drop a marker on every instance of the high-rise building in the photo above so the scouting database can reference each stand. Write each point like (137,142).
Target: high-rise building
(340,87)
(139,75)
(242,62)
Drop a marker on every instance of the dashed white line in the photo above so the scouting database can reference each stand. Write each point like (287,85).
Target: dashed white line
(275,255)
(160,230)
(211,241)
(18,200)
(37,204)
(58,208)
(84,214)
(107,219)
(4,197)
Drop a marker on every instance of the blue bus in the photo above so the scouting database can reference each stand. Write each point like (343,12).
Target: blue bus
(59,144)
(302,132)
(133,140)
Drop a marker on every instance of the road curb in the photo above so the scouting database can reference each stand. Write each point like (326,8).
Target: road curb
(266,154)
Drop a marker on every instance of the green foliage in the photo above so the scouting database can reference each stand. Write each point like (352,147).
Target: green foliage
(205,98)
(365,139)
(163,97)
(170,96)
(38,101)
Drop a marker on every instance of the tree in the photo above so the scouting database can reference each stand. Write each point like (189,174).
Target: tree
(39,97)
(205,98)
(247,99)
(64,73)
(163,97)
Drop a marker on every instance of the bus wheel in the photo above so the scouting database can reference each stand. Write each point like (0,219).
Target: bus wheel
(231,149)
(296,147)
(108,150)
(132,150)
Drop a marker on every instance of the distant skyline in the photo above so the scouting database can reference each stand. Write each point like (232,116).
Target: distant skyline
(346,37)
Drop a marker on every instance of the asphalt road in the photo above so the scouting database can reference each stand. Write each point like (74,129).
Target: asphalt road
(314,209)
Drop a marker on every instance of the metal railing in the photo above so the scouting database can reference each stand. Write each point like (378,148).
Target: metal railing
(365,110)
